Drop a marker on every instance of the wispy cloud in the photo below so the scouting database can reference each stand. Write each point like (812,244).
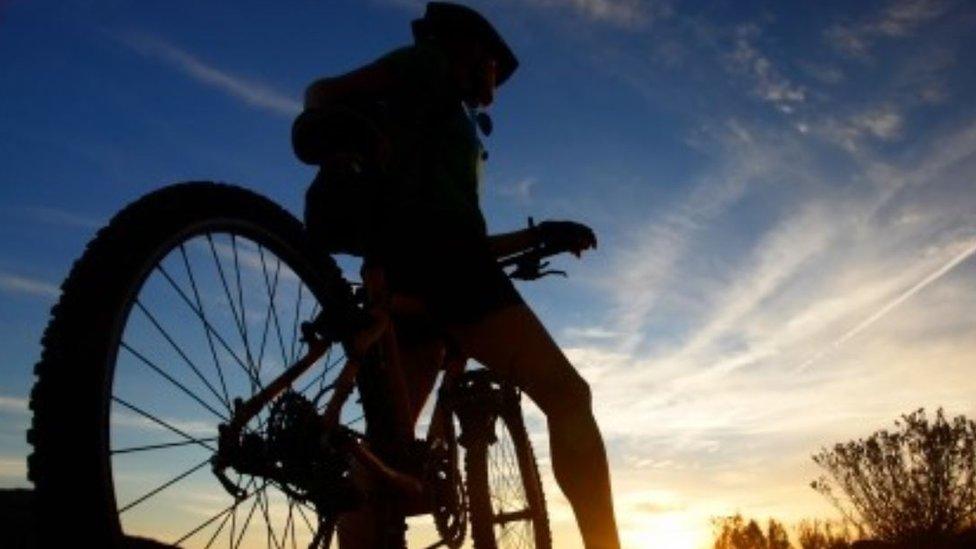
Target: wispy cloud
(769,84)
(624,13)
(13,468)
(590,332)
(520,190)
(17,405)
(23,285)
(651,263)
(252,93)
(779,256)
(898,19)
(880,123)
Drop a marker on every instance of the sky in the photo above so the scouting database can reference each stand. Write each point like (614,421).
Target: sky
(784,194)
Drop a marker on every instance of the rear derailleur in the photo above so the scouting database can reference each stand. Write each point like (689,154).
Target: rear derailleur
(295,453)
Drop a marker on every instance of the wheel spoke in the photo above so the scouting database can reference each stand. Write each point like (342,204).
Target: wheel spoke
(320,377)
(133,449)
(220,528)
(307,522)
(170,378)
(203,315)
(165,485)
(162,423)
(288,524)
(226,513)
(179,350)
(240,301)
(250,514)
(238,316)
(267,318)
(267,518)
(294,326)
(329,366)
(210,328)
(240,320)
(272,309)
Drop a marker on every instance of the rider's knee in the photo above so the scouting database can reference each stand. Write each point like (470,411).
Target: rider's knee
(572,397)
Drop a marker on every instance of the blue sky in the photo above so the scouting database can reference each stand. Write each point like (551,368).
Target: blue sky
(784,194)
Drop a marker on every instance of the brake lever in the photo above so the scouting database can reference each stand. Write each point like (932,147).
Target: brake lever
(543,271)
(533,269)
(553,272)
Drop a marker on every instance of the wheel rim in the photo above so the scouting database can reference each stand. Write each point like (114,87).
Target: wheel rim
(511,507)
(215,319)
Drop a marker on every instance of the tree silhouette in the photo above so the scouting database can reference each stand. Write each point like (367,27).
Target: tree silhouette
(735,533)
(913,485)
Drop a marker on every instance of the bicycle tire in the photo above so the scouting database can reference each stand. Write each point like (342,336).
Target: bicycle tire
(72,398)
(485,507)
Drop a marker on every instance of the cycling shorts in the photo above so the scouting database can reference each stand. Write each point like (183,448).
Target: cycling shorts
(453,271)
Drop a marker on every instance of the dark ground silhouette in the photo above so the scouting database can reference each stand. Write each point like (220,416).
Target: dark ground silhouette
(17,522)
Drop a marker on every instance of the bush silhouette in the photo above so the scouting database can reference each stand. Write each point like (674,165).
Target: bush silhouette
(822,534)
(914,485)
(735,533)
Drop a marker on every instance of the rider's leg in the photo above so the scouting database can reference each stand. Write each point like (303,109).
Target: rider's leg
(514,343)
(421,356)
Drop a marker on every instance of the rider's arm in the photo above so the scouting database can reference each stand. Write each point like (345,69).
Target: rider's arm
(555,236)
(506,244)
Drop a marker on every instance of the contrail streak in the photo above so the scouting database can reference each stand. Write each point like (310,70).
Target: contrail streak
(937,274)
(932,277)
(250,92)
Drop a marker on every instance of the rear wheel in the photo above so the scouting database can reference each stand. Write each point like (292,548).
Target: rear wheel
(190,298)
(506,500)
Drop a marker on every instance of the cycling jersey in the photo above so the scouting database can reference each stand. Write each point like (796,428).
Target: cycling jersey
(433,173)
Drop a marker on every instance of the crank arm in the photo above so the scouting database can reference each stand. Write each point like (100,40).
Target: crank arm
(411,488)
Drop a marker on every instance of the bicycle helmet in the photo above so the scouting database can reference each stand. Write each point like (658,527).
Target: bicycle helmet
(444,19)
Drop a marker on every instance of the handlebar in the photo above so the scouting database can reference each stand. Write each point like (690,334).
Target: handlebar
(531,264)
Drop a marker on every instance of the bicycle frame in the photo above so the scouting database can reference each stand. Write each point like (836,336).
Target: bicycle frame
(381,307)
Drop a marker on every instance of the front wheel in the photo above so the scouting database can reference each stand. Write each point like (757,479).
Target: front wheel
(506,500)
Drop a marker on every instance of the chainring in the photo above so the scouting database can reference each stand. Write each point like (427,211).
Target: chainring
(450,502)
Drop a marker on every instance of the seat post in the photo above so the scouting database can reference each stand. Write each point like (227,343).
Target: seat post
(378,302)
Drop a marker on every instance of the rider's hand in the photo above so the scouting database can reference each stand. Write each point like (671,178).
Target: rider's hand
(566,236)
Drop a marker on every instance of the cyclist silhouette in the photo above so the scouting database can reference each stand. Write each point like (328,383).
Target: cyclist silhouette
(397,143)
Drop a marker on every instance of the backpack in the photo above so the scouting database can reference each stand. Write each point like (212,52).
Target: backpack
(342,204)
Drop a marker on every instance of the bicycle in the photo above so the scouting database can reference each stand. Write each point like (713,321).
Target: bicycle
(111,409)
